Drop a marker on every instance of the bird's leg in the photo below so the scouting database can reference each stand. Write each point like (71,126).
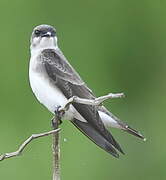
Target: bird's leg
(59,112)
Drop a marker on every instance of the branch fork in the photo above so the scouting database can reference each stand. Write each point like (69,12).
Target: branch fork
(55,132)
(94,102)
(25,143)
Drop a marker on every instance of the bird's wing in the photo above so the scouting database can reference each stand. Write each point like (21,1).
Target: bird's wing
(69,82)
(94,136)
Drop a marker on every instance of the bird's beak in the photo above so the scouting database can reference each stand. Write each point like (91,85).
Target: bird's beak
(47,34)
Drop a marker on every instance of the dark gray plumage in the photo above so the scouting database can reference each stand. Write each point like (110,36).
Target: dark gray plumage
(70,83)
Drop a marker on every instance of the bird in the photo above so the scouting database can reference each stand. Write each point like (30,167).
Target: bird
(53,81)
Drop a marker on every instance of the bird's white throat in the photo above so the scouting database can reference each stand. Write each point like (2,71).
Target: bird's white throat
(38,44)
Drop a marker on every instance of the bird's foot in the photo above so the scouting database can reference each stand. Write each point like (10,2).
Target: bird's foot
(59,112)
(55,122)
(57,119)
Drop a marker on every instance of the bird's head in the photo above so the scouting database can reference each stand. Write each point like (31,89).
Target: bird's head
(43,36)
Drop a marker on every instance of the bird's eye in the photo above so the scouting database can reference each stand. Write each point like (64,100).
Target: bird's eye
(37,32)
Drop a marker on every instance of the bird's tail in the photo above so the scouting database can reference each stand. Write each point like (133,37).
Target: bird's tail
(118,123)
(133,132)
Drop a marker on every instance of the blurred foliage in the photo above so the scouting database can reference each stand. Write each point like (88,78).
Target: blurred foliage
(116,46)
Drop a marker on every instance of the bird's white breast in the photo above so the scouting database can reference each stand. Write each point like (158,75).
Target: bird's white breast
(46,92)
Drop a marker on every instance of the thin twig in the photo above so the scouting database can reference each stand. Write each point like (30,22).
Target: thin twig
(25,143)
(56,149)
(93,102)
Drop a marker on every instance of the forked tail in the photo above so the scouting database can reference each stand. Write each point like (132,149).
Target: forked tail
(133,132)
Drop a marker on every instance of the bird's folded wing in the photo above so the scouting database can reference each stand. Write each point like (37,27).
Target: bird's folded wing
(69,82)
(94,136)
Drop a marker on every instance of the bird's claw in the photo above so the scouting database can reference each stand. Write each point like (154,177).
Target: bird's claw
(59,113)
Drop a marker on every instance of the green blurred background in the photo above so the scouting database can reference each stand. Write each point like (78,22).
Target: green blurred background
(126,40)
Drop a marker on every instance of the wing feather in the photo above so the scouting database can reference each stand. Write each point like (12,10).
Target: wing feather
(69,82)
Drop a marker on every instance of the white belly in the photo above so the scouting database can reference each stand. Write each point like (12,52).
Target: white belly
(48,95)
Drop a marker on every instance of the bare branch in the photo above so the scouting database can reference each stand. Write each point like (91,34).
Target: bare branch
(55,120)
(25,143)
(93,102)
(56,149)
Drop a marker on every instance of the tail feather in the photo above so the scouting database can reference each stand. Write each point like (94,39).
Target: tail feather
(133,132)
(117,123)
